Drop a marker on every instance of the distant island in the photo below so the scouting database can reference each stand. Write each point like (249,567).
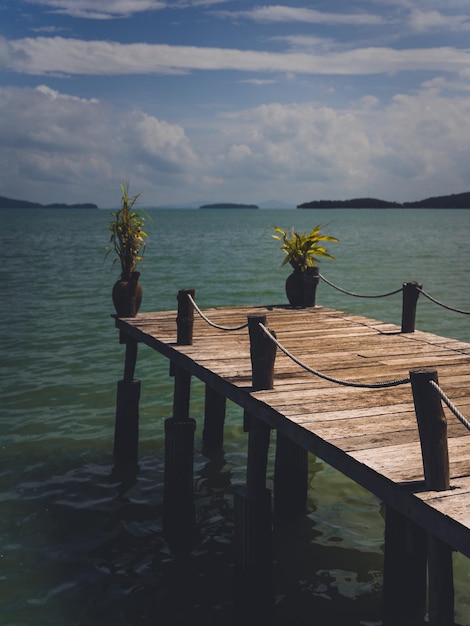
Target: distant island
(228,205)
(453,201)
(10,203)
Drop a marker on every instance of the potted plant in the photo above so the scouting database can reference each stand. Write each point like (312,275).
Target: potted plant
(128,241)
(302,251)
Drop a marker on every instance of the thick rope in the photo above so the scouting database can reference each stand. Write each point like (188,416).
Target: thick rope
(212,323)
(451,406)
(392,383)
(450,308)
(358,295)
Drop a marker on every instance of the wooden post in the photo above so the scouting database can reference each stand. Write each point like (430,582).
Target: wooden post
(214,418)
(178,512)
(290,477)
(253,530)
(185,317)
(126,426)
(262,353)
(441,583)
(253,515)
(410,300)
(432,426)
(404,586)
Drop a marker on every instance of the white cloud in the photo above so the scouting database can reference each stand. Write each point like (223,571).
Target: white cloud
(83,146)
(58,55)
(279,13)
(432,20)
(100,9)
(111,9)
(410,147)
(157,143)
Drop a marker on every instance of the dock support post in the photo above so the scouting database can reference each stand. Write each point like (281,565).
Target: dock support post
(178,510)
(404,586)
(214,419)
(441,583)
(432,425)
(253,509)
(126,426)
(253,529)
(410,300)
(290,477)
(407,546)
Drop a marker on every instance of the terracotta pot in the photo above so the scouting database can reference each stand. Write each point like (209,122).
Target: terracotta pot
(127,295)
(301,287)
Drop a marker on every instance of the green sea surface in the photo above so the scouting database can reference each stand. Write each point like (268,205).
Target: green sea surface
(80,548)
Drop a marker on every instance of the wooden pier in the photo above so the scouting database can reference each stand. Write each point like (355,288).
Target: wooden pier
(379,436)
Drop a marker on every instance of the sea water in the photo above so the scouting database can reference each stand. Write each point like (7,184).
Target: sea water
(77,547)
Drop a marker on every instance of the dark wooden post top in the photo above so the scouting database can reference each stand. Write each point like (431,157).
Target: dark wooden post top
(410,300)
(185,317)
(262,352)
(432,425)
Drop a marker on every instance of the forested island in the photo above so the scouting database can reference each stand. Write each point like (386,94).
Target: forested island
(453,201)
(229,205)
(10,203)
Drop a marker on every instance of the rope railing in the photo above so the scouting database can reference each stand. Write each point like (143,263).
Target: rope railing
(392,293)
(463,420)
(206,319)
(377,385)
(445,306)
(359,295)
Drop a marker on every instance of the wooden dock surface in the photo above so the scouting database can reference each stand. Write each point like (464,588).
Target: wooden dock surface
(369,434)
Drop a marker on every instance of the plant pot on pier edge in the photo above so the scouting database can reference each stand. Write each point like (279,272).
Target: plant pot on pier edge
(301,287)
(127,295)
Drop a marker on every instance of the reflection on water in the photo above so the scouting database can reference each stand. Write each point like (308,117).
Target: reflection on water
(96,554)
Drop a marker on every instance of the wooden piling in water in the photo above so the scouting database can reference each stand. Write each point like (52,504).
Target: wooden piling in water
(404,582)
(214,420)
(178,509)
(407,546)
(253,508)
(290,477)
(432,426)
(126,426)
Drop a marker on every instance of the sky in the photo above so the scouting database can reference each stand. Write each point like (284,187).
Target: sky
(196,101)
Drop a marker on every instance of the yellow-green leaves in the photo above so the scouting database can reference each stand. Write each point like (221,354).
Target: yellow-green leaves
(127,234)
(303,249)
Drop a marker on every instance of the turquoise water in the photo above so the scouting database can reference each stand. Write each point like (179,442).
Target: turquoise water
(79,548)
